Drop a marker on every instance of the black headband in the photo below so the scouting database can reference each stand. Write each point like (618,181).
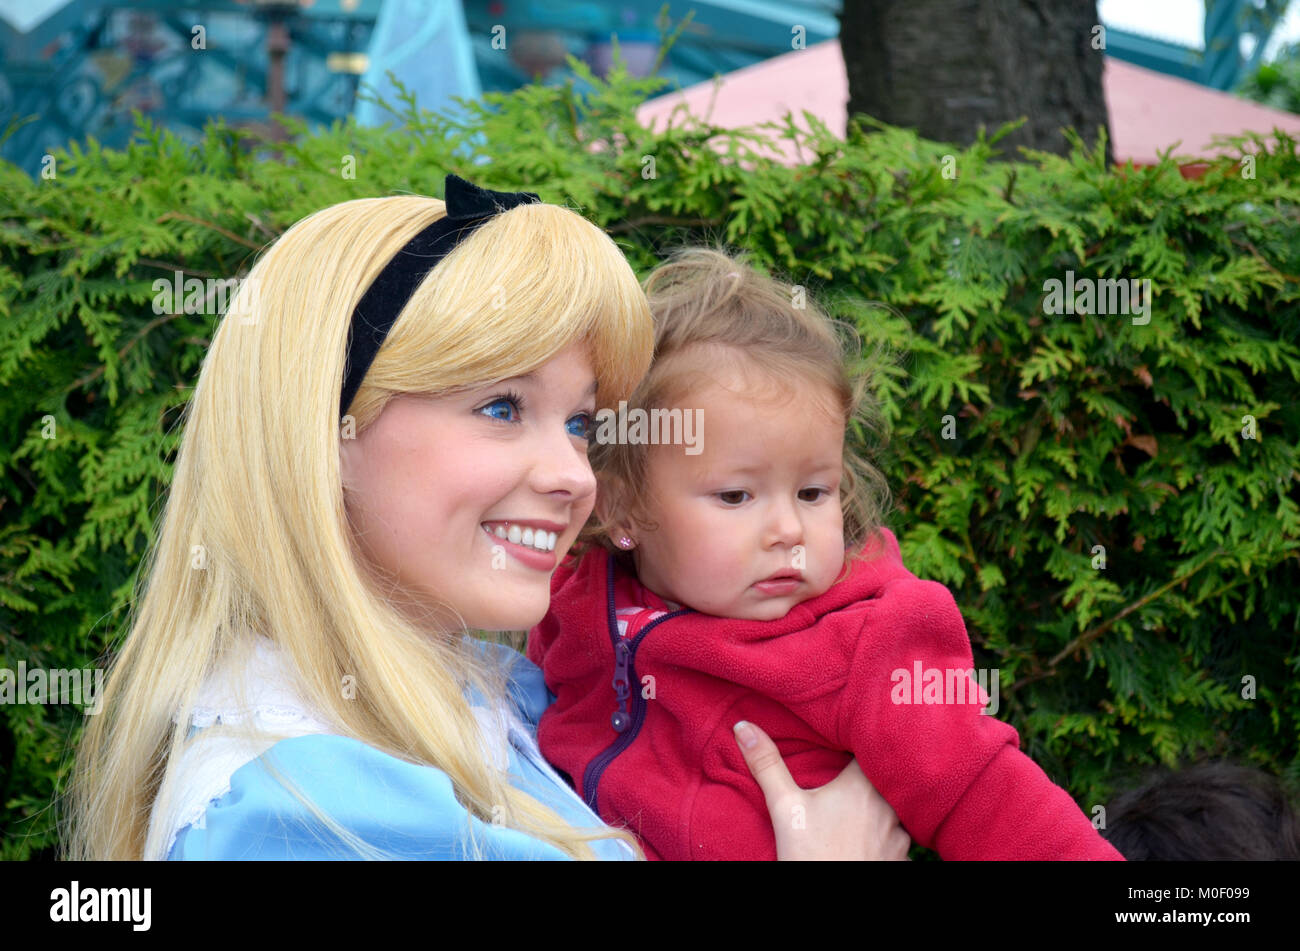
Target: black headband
(468,206)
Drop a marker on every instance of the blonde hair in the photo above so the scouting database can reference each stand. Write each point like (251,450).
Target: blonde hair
(257,490)
(712,309)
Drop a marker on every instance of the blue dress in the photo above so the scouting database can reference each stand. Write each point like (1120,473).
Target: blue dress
(398,809)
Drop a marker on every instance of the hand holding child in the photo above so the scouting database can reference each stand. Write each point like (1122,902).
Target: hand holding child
(847,819)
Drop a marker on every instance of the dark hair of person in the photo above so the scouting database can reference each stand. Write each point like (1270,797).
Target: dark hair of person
(1209,812)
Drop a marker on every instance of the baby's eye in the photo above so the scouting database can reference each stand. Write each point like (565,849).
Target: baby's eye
(580,426)
(728,497)
(816,494)
(502,403)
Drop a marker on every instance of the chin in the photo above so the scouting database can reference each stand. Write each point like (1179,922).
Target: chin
(770,612)
(521,618)
(513,621)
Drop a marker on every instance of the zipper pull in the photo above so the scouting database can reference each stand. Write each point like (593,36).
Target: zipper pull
(620,720)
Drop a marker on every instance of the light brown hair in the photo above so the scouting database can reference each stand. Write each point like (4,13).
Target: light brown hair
(712,309)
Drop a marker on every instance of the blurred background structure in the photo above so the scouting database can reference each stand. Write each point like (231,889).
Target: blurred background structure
(72,69)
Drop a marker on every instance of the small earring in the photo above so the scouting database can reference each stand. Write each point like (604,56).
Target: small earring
(624,542)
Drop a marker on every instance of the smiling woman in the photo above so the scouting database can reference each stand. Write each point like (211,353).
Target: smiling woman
(323,635)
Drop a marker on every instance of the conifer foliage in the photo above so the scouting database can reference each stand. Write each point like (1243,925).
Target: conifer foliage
(1110,493)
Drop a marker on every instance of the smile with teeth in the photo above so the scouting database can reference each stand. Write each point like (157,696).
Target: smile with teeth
(539,539)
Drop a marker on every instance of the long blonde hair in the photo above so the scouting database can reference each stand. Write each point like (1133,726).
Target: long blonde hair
(256,496)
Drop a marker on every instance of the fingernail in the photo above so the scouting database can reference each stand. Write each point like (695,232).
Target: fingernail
(745,735)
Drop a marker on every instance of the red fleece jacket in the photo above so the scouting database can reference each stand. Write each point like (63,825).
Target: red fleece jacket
(825,682)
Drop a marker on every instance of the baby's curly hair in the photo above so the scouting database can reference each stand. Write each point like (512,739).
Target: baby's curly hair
(711,310)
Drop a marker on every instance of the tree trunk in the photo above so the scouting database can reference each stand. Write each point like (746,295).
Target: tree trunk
(947,67)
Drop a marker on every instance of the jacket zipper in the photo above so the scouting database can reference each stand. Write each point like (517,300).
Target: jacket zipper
(624,678)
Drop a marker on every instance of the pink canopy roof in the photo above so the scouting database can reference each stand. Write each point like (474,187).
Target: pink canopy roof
(1149,111)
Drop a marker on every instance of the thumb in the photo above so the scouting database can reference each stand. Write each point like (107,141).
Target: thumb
(764,762)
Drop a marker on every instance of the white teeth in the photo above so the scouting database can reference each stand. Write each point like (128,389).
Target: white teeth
(539,539)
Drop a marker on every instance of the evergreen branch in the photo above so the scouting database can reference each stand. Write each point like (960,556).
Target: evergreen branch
(121,354)
(1263,260)
(257,222)
(224,232)
(189,272)
(1088,636)
(575,126)
(1266,223)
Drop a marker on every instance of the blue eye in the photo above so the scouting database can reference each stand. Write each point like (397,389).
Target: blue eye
(507,407)
(510,402)
(583,421)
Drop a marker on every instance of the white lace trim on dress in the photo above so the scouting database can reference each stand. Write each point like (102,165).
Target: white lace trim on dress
(270,710)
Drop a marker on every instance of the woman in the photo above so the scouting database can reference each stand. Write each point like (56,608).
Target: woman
(399,384)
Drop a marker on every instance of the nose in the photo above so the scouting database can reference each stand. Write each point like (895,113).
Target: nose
(560,464)
(783,525)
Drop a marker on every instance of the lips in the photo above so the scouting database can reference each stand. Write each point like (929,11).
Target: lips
(784,576)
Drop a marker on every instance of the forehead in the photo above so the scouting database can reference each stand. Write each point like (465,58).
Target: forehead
(749,430)
(568,370)
(571,363)
(564,380)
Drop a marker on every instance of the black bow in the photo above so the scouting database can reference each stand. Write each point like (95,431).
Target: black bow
(466,201)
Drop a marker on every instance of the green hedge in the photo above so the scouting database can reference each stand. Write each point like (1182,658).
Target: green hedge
(1020,439)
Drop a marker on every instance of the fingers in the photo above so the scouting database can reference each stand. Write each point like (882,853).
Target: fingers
(898,845)
(764,762)
(892,839)
(864,825)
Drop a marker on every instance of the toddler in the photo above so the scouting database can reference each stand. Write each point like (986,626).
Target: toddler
(748,577)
